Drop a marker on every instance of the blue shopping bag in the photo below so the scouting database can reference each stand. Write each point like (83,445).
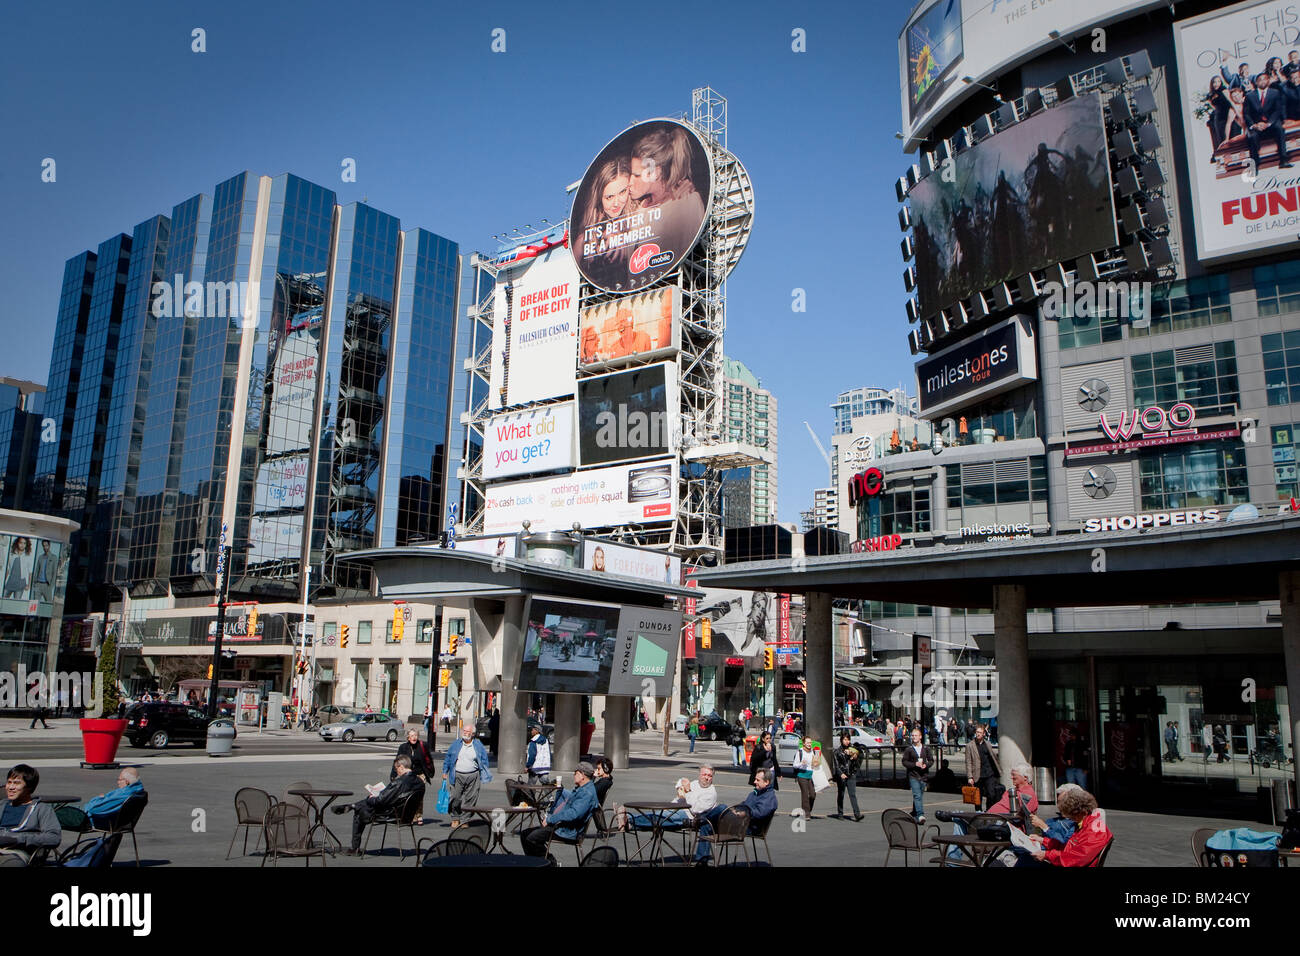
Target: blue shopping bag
(444,798)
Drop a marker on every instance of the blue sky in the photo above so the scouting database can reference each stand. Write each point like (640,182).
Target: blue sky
(448,135)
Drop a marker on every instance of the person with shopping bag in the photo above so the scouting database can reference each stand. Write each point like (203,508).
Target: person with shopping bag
(808,760)
(916,760)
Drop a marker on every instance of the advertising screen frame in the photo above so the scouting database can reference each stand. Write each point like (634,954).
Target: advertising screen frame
(582,680)
(605,495)
(654,422)
(531,455)
(682,215)
(596,342)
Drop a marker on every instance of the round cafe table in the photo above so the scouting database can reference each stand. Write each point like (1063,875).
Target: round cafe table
(310,794)
(490,816)
(652,849)
(58,800)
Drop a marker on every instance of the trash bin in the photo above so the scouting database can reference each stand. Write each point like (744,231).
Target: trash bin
(1045,784)
(1283,800)
(221,737)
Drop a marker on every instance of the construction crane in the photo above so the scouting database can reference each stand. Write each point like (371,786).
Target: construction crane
(818,442)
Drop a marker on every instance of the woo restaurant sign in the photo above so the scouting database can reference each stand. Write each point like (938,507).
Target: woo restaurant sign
(1150,427)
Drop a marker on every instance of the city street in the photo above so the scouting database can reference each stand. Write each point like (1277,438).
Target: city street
(190,817)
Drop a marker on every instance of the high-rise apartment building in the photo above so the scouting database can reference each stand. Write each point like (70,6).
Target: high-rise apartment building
(751,419)
(857,402)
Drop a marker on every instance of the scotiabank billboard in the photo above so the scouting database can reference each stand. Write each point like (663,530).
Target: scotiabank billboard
(994,361)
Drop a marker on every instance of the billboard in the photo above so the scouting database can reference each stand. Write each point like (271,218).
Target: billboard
(632,328)
(568,647)
(598,555)
(627,414)
(499,546)
(281,484)
(35,572)
(645,648)
(1036,194)
(535,324)
(644,493)
(748,620)
(522,443)
(641,206)
(273,539)
(997,360)
(946,40)
(1240,131)
(293,395)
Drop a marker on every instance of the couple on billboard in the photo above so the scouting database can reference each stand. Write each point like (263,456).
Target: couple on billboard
(1247,108)
(638,196)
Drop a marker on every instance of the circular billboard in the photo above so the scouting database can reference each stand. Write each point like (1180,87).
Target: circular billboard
(641,206)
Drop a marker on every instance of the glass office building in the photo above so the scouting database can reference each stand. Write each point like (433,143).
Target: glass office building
(320,336)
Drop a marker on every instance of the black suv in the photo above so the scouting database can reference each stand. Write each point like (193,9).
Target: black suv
(160,723)
(714,727)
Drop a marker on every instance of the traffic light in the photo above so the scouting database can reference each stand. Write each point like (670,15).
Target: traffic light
(343,635)
(399,624)
(252,620)
(769,659)
(706,634)
(209,672)
(453,644)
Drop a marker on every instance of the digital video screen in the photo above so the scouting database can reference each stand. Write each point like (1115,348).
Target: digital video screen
(568,647)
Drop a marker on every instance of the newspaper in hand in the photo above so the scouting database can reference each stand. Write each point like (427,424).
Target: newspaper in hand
(375,789)
(1020,839)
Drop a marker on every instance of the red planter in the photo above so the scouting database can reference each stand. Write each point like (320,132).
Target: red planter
(588,730)
(100,737)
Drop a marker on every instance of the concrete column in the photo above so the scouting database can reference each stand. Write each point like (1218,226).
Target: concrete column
(618,726)
(1289,589)
(568,741)
(514,705)
(819,719)
(1011,653)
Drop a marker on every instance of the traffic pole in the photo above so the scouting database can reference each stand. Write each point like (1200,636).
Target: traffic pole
(214,683)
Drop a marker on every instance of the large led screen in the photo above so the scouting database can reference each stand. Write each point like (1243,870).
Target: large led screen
(626,415)
(934,49)
(568,647)
(1036,194)
(641,205)
(630,328)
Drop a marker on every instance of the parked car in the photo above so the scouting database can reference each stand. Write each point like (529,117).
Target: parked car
(158,724)
(868,739)
(369,726)
(714,727)
(330,714)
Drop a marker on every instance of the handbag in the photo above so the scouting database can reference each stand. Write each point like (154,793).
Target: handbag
(970,795)
(444,798)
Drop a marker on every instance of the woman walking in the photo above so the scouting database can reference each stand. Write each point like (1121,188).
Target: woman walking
(693,730)
(764,758)
(847,760)
(805,762)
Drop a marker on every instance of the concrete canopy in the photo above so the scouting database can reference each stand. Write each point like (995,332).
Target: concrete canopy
(1225,561)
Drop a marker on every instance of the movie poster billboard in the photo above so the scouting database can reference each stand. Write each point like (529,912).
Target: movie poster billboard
(643,563)
(628,414)
(1036,194)
(1239,72)
(523,443)
(631,328)
(946,40)
(641,206)
(643,493)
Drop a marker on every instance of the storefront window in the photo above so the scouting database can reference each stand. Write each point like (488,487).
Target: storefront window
(1193,304)
(1282,367)
(1213,473)
(1285,444)
(1076,331)
(905,511)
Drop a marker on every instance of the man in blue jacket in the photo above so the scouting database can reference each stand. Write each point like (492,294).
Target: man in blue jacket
(467,767)
(761,804)
(107,804)
(569,815)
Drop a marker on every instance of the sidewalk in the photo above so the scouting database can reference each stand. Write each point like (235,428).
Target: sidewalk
(67,728)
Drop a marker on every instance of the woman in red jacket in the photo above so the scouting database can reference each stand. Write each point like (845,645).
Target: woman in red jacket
(1091,835)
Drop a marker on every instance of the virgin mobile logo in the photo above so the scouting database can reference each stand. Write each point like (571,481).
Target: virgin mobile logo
(640,260)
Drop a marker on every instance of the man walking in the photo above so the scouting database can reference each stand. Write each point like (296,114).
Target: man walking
(539,756)
(1171,741)
(1207,742)
(467,767)
(982,768)
(1076,759)
(916,760)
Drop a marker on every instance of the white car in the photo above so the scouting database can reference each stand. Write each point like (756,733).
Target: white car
(370,726)
(864,738)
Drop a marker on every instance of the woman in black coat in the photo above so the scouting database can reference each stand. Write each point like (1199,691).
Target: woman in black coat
(764,758)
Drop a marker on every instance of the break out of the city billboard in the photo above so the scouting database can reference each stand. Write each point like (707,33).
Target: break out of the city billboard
(1036,194)
(535,330)
(641,206)
(996,360)
(627,415)
(1239,130)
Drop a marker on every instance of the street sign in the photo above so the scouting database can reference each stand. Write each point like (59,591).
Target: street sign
(308,628)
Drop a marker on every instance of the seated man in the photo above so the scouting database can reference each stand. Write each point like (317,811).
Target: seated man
(27,826)
(387,799)
(696,796)
(760,804)
(1021,785)
(107,804)
(1084,846)
(572,807)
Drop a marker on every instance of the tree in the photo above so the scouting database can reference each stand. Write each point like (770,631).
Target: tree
(172,670)
(107,669)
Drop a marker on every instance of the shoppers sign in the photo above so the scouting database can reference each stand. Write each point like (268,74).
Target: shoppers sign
(540,439)
(995,361)
(1165,519)
(1244,200)
(1155,426)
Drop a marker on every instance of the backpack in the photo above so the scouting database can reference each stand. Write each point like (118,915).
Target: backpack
(96,854)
